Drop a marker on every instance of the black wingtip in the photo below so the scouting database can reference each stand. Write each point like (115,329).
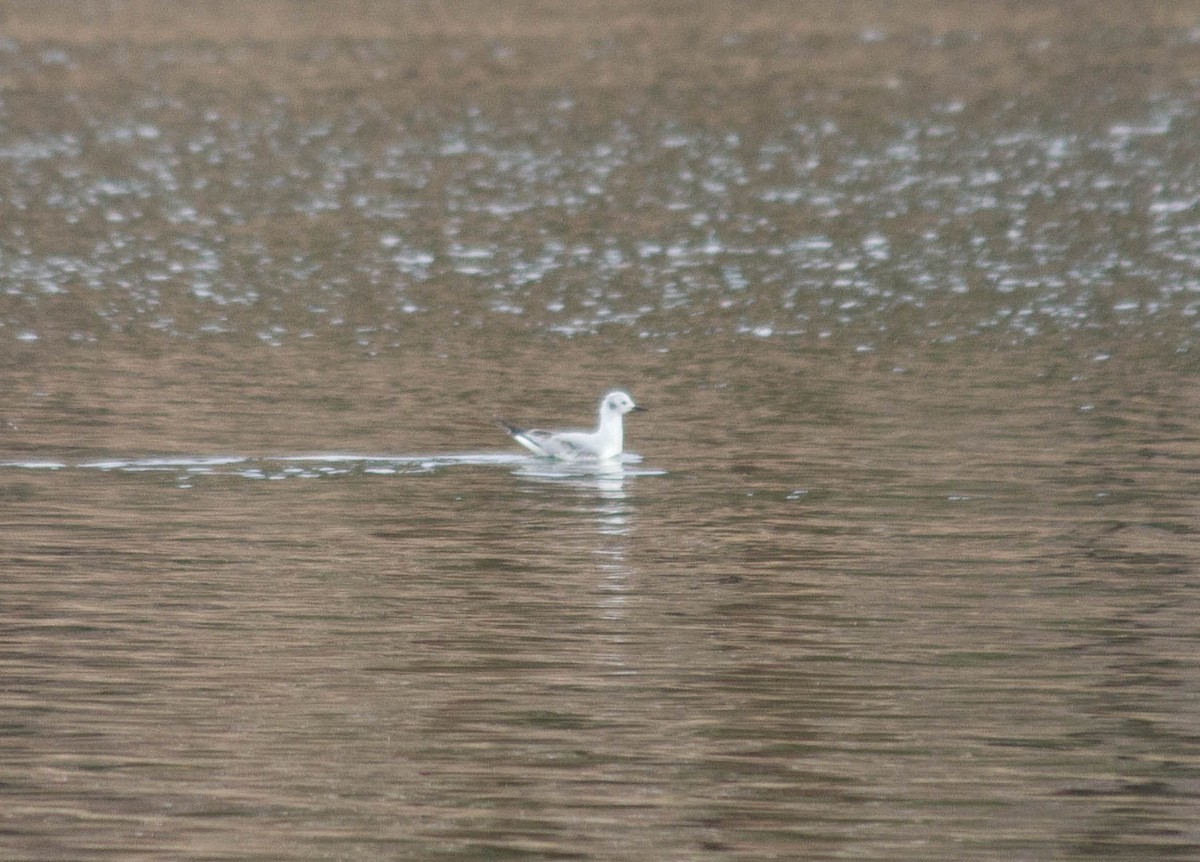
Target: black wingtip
(508,426)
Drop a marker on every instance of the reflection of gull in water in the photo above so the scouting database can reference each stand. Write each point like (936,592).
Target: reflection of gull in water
(605,442)
(600,486)
(608,477)
(602,481)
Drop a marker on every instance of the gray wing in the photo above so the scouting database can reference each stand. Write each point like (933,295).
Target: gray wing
(548,444)
(569,445)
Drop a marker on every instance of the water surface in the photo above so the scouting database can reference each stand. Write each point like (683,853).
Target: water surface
(903,562)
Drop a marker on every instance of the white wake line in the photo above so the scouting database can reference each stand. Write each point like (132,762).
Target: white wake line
(451,458)
(337,463)
(165,463)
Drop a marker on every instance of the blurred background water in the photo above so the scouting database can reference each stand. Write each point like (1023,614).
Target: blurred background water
(904,566)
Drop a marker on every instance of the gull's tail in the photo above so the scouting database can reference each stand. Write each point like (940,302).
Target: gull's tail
(509,427)
(522,436)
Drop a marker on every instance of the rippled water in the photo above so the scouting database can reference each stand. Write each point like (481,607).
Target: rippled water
(936,230)
(279,221)
(902,563)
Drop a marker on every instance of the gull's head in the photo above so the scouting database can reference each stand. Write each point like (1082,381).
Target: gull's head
(618,403)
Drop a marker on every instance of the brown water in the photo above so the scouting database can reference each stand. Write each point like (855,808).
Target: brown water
(906,564)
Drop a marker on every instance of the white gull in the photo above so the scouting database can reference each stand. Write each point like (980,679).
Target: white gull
(605,442)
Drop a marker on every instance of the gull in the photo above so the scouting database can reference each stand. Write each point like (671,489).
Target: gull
(603,443)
